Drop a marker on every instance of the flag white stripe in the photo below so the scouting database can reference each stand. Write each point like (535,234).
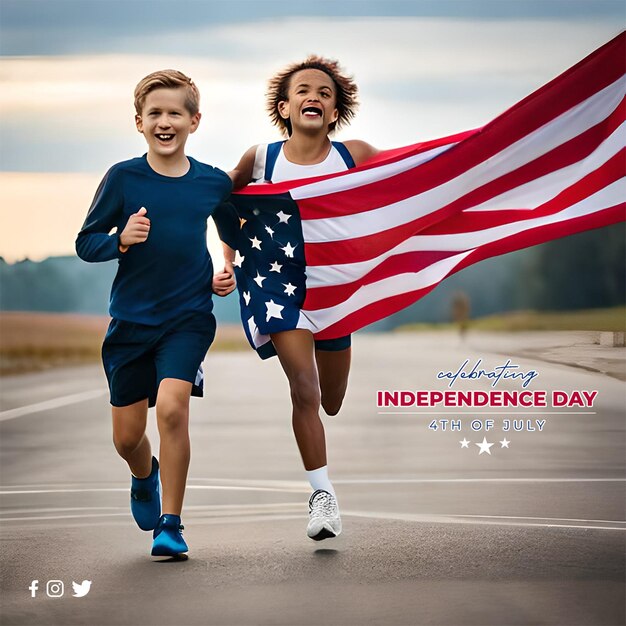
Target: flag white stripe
(563,128)
(352,180)
(540,190)
(434,273)
(394,285)
(342,273)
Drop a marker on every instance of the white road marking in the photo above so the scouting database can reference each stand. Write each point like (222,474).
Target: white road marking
(55,403)
(482,519)
(400,481)
(295,486)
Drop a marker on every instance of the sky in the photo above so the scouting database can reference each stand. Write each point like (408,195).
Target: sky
(425,69)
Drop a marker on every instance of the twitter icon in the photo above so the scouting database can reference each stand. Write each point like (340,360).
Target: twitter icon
(82,589)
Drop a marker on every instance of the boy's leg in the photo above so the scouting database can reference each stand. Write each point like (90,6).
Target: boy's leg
(295,349)
(132,444)
(333,368)
(172,409)
(129,437)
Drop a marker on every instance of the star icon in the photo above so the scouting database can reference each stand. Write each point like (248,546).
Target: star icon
(238,259)
(246,297)
(465,443)
(484,446)
(288,250)
(258,279)
(256,243)
(273,310)
(289,289)
(269,231)
(282,217)
(275,267)
(505,443)
(242,221)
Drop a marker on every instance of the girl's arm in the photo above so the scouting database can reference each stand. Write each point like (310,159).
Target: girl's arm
(361,151)
(242,174)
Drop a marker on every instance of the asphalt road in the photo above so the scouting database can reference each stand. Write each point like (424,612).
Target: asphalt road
(434,533)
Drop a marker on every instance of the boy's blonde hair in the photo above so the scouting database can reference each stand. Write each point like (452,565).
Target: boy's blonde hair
(278,88)
(167,79)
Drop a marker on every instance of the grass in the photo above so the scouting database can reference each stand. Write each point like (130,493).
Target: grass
(36,341)
(613,319)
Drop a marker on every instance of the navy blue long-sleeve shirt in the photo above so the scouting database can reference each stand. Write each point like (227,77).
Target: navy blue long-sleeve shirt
(171,272)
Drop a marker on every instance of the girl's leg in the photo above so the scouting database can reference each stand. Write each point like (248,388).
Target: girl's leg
(295,349)
(333,369)
(129,437)
(172,409)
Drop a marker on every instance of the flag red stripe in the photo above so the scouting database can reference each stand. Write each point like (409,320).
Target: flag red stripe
(331,295)
(511,126)
(359,249)
(383,308)
(470,221)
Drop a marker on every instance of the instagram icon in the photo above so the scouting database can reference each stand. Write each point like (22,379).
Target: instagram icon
(55,588)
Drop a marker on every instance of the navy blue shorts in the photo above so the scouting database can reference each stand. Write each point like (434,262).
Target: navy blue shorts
(137,357)
(333,345)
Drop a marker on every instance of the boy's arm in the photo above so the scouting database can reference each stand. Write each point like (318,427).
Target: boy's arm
(242,174)
(360,151)
(94,244)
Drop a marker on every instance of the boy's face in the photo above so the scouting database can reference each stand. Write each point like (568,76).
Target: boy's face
(312,101)
(166,123)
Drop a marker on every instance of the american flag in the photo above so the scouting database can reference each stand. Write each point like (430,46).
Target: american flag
(377,238)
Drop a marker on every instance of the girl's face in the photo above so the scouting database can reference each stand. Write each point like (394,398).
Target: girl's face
(312,101)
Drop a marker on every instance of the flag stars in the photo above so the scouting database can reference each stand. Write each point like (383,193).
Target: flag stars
(465,443)
(238,262)
(505,443)
(282,217)
(273,310)
(256,243)
(289,289)
(246,297)
(288,250)
(242,221)
(269,231)
(275,267)
(258,279)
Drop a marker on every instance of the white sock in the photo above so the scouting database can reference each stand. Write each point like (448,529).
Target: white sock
(319,479)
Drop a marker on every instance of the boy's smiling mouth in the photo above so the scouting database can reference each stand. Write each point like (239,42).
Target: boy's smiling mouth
(166,137)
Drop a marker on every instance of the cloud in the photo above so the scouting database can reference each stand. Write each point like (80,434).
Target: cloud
(419,78)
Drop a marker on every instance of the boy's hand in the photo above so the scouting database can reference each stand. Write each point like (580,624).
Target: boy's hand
(136,230)
(224,282)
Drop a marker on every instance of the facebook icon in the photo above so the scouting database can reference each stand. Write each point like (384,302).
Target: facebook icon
(33,588)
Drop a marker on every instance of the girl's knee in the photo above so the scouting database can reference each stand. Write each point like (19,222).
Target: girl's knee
(305,394)
(172,414)
(332,406)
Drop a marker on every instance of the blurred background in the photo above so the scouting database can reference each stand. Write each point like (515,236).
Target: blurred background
(425,68)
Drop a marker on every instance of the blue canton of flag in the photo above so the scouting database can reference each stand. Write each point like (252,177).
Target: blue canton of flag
(269,266)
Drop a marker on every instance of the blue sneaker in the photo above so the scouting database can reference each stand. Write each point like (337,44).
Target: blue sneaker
(145,499)
(168,538)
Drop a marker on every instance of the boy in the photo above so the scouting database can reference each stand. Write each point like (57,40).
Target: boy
(307,101)
(160,302)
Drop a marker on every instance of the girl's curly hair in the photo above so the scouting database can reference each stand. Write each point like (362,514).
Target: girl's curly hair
(278,87)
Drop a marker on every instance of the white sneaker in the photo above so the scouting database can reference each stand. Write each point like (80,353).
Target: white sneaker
(324,520)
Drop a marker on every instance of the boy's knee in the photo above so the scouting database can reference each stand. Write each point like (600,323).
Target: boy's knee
(126,443)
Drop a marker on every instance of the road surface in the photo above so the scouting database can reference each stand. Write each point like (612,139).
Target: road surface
(434,532)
